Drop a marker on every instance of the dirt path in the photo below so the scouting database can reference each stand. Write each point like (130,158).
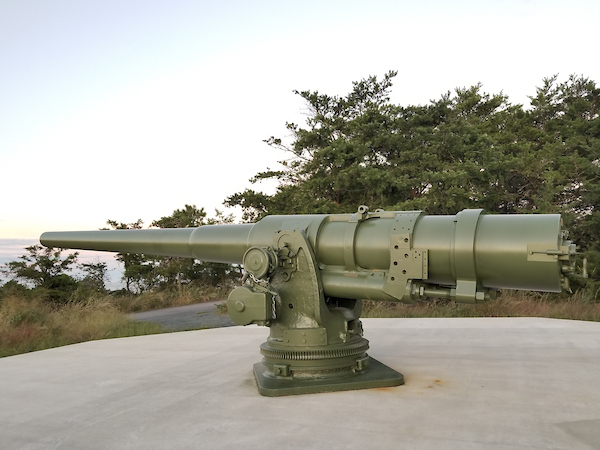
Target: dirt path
(188,317)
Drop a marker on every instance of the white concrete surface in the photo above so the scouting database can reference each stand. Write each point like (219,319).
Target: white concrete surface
(505,383)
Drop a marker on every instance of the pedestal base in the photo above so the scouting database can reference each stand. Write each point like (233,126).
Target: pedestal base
(375,376)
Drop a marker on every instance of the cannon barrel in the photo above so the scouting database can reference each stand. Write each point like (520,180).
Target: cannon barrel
(216,243)
(374,255)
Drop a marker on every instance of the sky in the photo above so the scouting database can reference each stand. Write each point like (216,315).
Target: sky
(131,109)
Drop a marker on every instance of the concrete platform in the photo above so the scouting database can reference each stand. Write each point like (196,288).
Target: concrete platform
(503,383)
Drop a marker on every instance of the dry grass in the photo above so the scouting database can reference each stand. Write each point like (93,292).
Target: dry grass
(510,304)
(165,299)
(30,324)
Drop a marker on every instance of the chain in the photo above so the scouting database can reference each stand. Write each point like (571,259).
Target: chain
(253,281)
(262,286)
(274,311)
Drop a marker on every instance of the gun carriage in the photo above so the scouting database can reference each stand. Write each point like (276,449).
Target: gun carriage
(305,277)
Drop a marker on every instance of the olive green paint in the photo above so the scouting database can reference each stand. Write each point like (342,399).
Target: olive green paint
(306,274)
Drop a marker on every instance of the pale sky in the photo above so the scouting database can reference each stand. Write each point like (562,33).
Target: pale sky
(130,109)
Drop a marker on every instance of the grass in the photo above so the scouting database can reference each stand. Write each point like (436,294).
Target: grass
(28,323)
(510,304)
(166,299)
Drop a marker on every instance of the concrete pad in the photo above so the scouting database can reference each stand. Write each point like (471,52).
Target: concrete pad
(494,383)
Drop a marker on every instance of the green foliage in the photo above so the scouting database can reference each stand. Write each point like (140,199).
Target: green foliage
(48,277)
(59,289)
(172,270)
(136,266)
(144,273)
(468,149)
(176,271)
(45,269)
(95,276)
(41,265)
(568,115)
(13,288)
(188,217)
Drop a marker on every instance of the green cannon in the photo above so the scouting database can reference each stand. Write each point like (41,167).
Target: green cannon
(305,277)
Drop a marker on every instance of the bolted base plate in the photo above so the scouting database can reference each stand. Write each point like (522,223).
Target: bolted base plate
(376,375)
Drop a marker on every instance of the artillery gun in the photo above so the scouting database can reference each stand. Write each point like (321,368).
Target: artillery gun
(305,277)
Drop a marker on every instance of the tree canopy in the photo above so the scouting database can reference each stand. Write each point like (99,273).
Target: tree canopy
(45,269)
(467,149)
(52,275)
(146,272)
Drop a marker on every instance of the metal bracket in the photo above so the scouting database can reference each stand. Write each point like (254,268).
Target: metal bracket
(406,263)
(463,261)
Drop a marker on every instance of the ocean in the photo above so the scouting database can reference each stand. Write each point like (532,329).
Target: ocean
(12,249)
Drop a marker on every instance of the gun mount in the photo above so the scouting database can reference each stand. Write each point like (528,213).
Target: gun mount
(305,277)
